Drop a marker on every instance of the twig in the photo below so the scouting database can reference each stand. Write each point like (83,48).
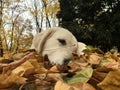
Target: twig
(18,62)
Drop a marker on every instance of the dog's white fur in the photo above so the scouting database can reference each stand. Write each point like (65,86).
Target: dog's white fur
(81,48)
(47,43)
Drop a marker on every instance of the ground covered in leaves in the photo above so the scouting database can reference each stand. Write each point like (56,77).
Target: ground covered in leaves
(95,70)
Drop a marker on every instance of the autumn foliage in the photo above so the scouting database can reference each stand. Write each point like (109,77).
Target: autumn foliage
(94,70)
(21,69)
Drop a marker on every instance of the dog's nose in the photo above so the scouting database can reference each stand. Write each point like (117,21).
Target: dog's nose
(66,61)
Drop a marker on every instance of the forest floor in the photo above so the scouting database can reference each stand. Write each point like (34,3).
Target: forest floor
(95,70)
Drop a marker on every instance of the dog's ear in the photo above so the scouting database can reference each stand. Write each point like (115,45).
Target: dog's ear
(40,39)
(81,48)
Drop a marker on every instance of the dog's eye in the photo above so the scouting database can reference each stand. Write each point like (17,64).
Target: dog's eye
(62,41)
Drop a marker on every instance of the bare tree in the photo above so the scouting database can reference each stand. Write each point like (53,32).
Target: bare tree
(37,14)
(51,7)
(24,29)
(1,9)
(13,35)
(43,16)
(38,28)
(13,8)
(46,14)
(16,10)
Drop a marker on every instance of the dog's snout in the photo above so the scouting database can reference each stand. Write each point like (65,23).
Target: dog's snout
(66,61)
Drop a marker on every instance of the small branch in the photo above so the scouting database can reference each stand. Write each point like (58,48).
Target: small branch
(18,62)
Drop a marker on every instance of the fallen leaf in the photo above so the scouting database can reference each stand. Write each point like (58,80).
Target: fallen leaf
(99,75)
(53,69)
(1,59)
(51,76)
(111,60)
(18,56)
(95,58)
(103,61)
(30,86)
(83,86)
(90,48)
(41,70)
(77,66)
(7,55)
(35,63)
(60,85)
(82,76)
(9,80)
(112,81)
(18,62)
(111,65)
(113,57)
(62,68)
(24,69)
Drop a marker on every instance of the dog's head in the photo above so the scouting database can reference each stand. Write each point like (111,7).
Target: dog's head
(57,43)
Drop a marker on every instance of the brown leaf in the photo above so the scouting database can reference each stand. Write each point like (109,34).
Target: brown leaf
(60,85)
(83,86)
(1,59)
(35,63)
(63,68)
(53,69)
(111,65)
(41,70)
(9,80)
(53,77)
(112,81)
(95,58)
(99,75)
(56,76)
(18,62)
(77,66)
(24,69)
(18,56)
(7,55)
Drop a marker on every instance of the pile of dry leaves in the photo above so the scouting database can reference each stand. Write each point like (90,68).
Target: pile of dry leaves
(94,70)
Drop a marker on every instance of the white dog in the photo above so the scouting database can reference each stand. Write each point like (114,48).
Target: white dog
(57,43)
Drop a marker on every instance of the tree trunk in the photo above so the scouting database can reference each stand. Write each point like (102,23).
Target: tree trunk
(47,17)
(1,47)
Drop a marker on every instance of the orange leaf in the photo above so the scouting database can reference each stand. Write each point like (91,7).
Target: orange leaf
(112,81)
(60,85)
(9,80)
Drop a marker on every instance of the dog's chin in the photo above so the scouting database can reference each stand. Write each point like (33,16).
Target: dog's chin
(55,60)
(48,63)
(60,66)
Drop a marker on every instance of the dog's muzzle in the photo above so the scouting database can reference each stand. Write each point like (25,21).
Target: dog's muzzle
(67,60)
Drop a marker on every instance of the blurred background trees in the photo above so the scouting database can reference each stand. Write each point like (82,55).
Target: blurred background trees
(94,22)
(20,20)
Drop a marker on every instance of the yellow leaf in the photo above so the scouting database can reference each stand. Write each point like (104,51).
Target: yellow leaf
(24,69)
(46,0)
(112,81)
(57,6)
(32,11)
(9,80)
(17,0)
(111,59)
(5,17)
(95,58)
(60,85)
